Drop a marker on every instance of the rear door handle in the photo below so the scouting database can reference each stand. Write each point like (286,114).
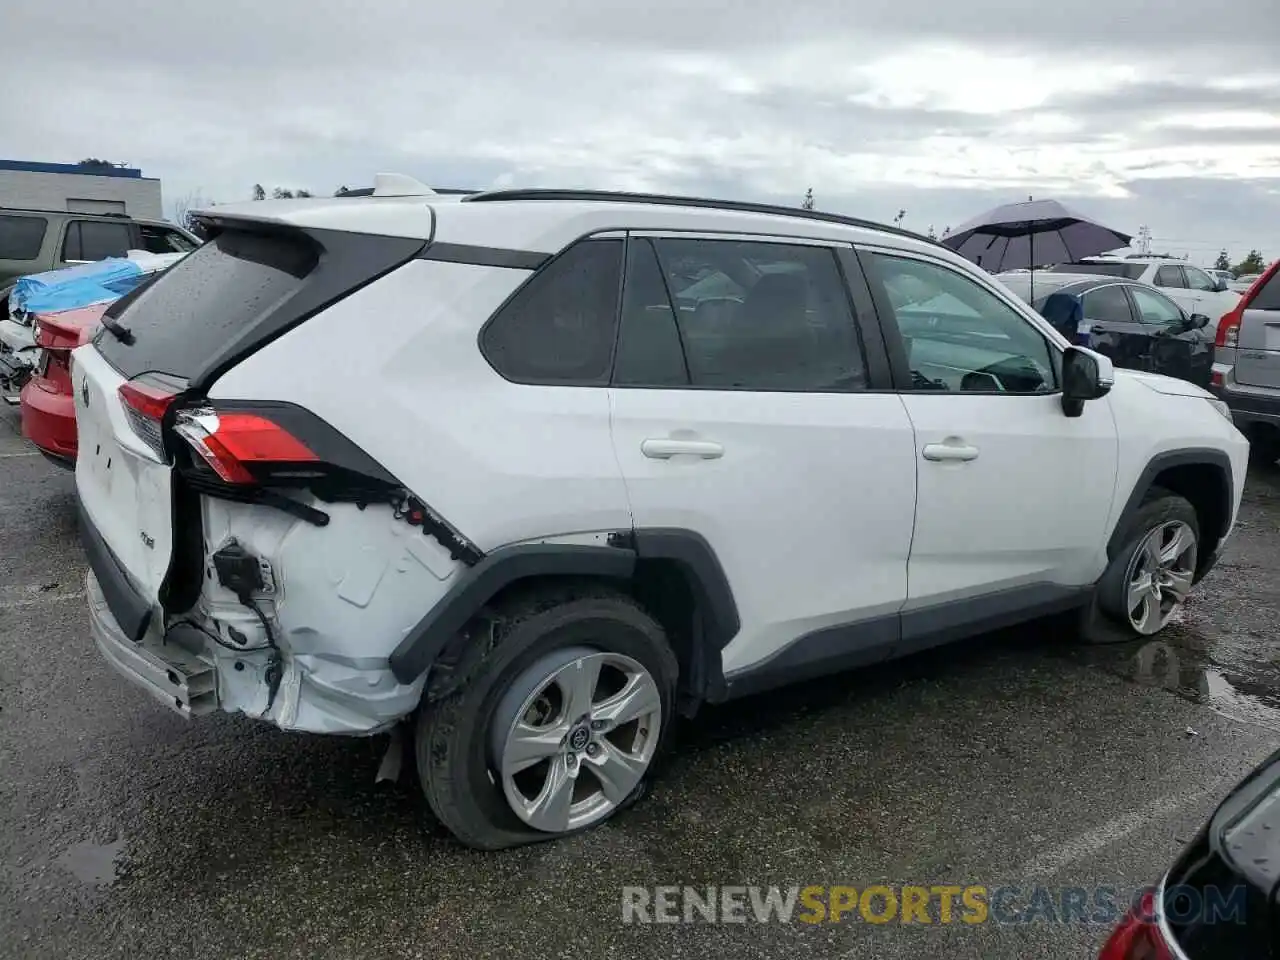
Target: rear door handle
(664,448)
(949,451)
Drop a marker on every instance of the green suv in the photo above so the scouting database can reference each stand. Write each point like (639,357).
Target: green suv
(33,241)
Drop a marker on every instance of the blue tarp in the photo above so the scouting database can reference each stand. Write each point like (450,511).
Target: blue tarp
(87,284)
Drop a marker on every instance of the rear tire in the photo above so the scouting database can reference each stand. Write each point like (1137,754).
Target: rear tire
(1149,578)
(525,692)
(1264,445)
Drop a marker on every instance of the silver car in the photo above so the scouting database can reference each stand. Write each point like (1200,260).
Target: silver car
(1246,369)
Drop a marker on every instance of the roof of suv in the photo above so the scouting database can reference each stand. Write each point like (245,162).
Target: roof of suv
(37,212)
(1144,261)
(546,220)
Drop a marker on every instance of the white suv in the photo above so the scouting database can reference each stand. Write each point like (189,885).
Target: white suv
(541,470)
(1191,288)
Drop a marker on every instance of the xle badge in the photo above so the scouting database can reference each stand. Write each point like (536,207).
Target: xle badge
(149,541)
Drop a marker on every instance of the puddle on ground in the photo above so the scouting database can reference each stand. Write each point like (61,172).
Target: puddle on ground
(93,864)
(1236,674)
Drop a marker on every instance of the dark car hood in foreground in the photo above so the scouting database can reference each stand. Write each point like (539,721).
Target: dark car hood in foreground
(1220,897)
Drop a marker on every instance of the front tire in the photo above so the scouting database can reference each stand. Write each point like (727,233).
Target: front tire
(1151,575)
(558,724)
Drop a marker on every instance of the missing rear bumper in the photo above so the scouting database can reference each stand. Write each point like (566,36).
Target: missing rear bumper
(181,680)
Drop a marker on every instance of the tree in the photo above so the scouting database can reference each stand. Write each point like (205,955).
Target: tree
(280,193)
(1222,263)
(931,235)
(96,164)
(897,221)
(1253,263)
(183,206)
(807,203)
(301,194)
(258,192)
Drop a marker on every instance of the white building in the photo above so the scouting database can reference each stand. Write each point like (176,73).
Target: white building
(77,189)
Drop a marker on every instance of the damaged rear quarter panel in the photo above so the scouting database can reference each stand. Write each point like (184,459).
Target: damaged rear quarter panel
(345,595)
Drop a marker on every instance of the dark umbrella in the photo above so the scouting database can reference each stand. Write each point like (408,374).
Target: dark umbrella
(1020,235)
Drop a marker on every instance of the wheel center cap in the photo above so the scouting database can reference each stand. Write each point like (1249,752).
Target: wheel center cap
(579,738)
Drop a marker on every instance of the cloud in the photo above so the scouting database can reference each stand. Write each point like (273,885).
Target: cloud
(875,106)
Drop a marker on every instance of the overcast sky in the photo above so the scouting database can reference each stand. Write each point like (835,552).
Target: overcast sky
(1164,114)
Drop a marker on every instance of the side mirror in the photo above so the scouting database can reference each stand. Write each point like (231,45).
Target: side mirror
(1086,375)
(1198,321)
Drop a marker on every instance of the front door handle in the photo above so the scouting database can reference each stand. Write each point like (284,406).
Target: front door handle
(950,451)
(664,448)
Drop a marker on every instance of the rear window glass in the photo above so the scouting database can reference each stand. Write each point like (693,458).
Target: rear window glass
(191,311)
(1268,295)
(21,237)
(1130,271)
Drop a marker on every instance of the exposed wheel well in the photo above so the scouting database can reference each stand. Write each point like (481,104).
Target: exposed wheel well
(662,587)
(1207,489)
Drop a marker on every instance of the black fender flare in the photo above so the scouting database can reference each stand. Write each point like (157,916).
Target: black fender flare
(1197,456)
(478,584)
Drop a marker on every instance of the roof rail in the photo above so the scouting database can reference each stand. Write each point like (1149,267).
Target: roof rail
(368,192)
(738,206)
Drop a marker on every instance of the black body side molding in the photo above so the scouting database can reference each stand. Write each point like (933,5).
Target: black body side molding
(131,610)
(1198,456)
(842,647)
(478,584)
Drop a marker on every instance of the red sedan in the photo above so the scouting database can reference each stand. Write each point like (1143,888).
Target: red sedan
(48,407)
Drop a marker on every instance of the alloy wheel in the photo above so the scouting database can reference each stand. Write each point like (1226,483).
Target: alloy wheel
(574,735)
(1160,575)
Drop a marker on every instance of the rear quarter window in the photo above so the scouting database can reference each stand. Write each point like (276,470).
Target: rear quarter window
(1268,295)
(188,313)
(21,237)
(559,327)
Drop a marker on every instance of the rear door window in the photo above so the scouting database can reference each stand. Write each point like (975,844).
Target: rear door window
(737,315)
(96,240)
(1108,305)
(1170,276)
(21,237)
(189,313)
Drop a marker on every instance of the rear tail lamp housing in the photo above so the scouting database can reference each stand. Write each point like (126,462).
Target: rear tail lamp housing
(247,448)
(146,400)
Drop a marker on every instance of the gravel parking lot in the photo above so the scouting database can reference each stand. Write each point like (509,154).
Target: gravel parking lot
(1014,759)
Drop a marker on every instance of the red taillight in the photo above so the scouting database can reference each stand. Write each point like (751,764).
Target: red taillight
(149,400)
(241,446)
(55,336)
(1138,936)
(146,399)
(1229,327)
